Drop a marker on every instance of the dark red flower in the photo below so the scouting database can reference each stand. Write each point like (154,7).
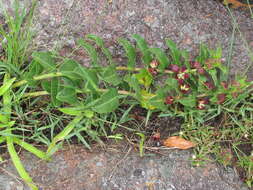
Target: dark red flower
(182,75)
(169,100)
(153,71)
(202,103)
(154,64)
(156,136)
(221,98)
(195,64)
(201,71)
(209,85)
(184,88)
(174,68)
(224,84)
(235,94)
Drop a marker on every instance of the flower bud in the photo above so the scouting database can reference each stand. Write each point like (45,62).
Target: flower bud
(221,98)
(174,68)
(169,100)
(154,64)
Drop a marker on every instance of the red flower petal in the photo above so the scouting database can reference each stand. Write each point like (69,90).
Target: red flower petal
(195,64)
(174,68)
(184,88)
(153,71)
(221,98)
(209,85)
(201,71)
(224,84)
(154,64)
(169,100)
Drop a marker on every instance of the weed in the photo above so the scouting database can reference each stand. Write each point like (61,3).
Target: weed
(82,101)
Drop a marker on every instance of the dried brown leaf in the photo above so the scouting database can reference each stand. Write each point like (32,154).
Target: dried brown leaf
(178,142)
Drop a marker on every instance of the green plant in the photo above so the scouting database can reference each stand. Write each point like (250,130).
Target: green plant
(197,90)
(88,98)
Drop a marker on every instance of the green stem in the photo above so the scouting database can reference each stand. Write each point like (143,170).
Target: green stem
(40,77)
(42,93)
(59,74)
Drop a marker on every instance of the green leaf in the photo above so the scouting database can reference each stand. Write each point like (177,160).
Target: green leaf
(175,52)
(141,144)
(72,110)
(89,76)
(130,51)
(63,134)
(143,46)
(161,56)
(145,98)
(45,59)
(213,73)
(18,164)
(7,99)
(172,83)
(68,69)
(53,88)
(40,154)
(110,75)
(100,43)
(133,83)
(34,69)
(189,101)
(6,86)
(107,103)
(67,95)
(90,50)
(144,77)
(158,100)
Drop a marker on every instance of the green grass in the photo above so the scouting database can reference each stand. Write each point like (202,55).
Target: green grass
(52,99)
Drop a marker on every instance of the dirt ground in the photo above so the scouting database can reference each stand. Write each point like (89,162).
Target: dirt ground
(59,23)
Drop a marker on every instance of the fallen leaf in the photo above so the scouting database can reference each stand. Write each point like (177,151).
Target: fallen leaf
(178,142)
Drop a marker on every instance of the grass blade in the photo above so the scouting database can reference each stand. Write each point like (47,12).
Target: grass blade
(18,164)
(31,148)
(63,134)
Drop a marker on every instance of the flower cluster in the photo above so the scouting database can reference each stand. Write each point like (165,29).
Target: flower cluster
(153,67)
(181,75)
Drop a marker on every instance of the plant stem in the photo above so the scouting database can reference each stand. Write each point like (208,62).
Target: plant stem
(59,74)
(40,77)
(42,93)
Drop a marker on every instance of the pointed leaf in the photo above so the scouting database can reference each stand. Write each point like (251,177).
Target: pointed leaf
(189,101)
(143,46)
(68,69)
(63,134)
(161,56)
(53,88)
(6,86)
(110,75)
(100,43)
(107,103)
(130,51)
(45,59)
(144,77)
(72,110)
(31,148)
(90,50)
(18,164)
(67,95)
(89,76)
(175,52)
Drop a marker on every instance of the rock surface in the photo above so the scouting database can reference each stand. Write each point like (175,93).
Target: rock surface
(59,23)
(120,168)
